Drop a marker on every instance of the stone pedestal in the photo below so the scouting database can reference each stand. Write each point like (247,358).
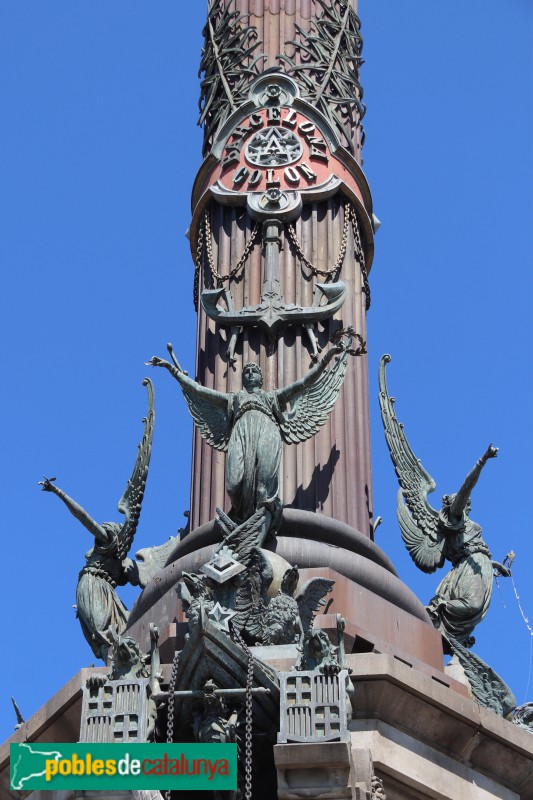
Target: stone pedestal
(319,770)
(424,739)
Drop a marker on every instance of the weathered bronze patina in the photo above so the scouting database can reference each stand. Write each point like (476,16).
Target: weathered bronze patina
(432,537)
(252,424)
(99,608)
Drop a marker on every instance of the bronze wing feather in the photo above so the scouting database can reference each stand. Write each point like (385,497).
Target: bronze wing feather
(311,598)
(419,521)
(131,501)
(211,420)
(313,406)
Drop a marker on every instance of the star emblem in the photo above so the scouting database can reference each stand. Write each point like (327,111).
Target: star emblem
(221,616)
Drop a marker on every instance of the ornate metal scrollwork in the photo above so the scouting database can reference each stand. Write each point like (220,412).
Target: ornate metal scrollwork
(228,66)
(327,69)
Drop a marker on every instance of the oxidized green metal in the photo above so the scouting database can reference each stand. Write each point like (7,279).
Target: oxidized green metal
(432,537)
(251,425)
(99,608)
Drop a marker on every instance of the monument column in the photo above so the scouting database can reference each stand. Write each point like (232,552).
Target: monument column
(281,109)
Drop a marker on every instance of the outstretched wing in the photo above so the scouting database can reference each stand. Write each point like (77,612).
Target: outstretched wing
(131,501)
(311,598)
(211,420)
(151,560)
(313,406)
(419,521)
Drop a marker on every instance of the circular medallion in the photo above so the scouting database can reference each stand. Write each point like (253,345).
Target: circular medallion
(273,147)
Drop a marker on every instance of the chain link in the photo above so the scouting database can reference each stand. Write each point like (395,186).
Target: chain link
(291,230)
(350,216)
(205,242)
(170,711)
(360,256)
(248,715)
(209,248)
(198,263)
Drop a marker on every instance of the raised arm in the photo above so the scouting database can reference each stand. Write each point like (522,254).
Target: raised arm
(463,495)
(186,383)
(87,521)
(291,392)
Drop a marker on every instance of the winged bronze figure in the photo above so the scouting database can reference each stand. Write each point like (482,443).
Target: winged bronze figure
(99,608)
(252,424)
(433,536)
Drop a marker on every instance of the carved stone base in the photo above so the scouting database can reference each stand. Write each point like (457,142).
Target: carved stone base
(320,770)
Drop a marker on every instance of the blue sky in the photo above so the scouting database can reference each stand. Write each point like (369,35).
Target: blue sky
(99,150)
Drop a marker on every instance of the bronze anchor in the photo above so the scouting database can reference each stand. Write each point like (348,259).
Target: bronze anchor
(272,314)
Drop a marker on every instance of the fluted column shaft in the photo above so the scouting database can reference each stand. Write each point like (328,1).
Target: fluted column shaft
(330,473)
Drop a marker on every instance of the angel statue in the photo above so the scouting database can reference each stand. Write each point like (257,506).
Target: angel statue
(251,425)
(432,537)
(99,608)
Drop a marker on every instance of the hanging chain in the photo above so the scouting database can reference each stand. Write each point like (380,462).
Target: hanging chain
(205,242)
(209,248)
(198,263)
(349,217)
(291,230)
(247,715)
(360,256)
(170,711)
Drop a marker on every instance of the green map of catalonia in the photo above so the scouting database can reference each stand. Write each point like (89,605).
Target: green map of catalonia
(30,764)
